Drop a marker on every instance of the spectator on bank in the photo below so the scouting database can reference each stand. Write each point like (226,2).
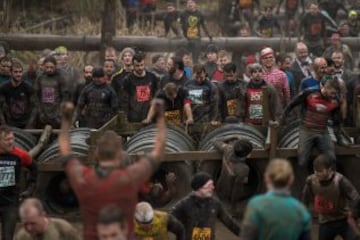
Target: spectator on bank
(223,58)
(312,29)
(191,21)
(158,66)
(185,56)
(176,73)
(302,65)
(5,69)
(118,77)
(267,24)
(211,59)
(337,45)
(171,20)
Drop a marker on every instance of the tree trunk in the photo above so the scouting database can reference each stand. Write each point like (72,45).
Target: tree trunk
(108,27)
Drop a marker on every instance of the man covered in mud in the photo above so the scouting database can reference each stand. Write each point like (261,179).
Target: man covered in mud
(231,91)
(50,89)
(252,109)
(177,107)
(17,100)
(199,210)
(109,183)
(234,171)
(141,87)
(203,96)
(117,81)
(331,194)
(176,73)
(99,101)
(317,107)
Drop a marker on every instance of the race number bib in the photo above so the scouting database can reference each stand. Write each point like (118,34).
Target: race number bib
(201,234)
(192,31)
(323,205)
(266,32)
(143,93)
(48,95)
(256,111)
(7,176)
(315,29)
(231,107)
(195,96)
(173,116)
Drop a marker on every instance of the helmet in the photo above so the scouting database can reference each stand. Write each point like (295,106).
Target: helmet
(144,213)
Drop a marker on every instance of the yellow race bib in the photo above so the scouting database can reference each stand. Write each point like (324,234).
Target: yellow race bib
(201,233)
(173,116)
(231,107)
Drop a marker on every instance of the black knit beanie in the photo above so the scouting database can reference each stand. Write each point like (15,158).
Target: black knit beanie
(199,180)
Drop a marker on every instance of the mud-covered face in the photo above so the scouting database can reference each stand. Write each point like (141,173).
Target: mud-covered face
(199,77)
(88,72)
(207,190)
(323,174)
(7,142)
(49,68)
(230,76)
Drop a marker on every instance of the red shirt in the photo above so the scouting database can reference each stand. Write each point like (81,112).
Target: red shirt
(120,187)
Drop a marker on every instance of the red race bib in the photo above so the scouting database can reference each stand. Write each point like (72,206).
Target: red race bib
(143,93)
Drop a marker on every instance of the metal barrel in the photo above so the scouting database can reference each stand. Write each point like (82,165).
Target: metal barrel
(78,137)
(24,140)
(233,131)
(177,141)
(53,187)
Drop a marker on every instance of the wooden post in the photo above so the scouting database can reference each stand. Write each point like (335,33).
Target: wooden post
(108,27)
(357,111)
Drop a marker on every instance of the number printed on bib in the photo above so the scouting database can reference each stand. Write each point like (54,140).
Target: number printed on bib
(201,233)
(7,176)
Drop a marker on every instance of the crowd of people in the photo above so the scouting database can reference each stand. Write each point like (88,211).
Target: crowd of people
(175,89)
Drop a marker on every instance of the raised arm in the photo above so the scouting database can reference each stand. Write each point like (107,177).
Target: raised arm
(139,171)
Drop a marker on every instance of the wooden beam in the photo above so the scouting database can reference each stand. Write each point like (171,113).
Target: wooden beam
(34,42)
(213,155)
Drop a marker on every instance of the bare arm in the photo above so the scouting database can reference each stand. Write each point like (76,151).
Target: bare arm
(150,114)
(188,113)
(73,166)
